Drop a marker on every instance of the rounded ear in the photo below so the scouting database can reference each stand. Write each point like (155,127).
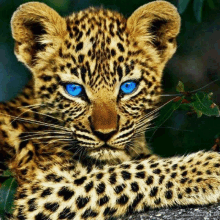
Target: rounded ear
(33,26)
(156,23)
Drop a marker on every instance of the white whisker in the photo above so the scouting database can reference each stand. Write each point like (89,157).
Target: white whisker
(37,122)
(26,106)
(46,137)
(39,134)
(47,131)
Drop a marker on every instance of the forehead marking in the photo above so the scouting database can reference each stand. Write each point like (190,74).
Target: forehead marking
(101,47)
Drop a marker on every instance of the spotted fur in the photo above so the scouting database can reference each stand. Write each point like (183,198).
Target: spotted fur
(86,157)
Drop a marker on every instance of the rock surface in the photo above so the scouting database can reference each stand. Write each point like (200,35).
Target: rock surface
(211,212)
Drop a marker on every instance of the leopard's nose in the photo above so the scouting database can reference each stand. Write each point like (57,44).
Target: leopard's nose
(104,136)
(104,120)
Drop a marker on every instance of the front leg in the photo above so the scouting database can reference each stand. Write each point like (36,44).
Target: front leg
(123,189)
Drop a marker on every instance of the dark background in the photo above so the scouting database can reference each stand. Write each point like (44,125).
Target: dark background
(196,63)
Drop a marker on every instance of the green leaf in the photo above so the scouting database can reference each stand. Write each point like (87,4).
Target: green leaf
(182,5)
(202,104)
(180,87)
(6,174)
(197,7)
(211,4)
(198,112)
(7,191)
(217,135)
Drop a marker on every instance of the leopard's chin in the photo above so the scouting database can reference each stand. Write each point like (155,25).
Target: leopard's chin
(111,156)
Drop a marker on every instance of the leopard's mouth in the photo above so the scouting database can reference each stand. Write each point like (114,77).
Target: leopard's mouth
(105,147)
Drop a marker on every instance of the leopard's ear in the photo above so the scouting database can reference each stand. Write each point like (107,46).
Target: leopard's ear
(34,25)
(156,24)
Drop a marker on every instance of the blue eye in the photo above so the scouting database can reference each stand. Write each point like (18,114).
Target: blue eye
(128,87)
(74,89)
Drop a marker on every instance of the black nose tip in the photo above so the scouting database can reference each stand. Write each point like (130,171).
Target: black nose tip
(104,136)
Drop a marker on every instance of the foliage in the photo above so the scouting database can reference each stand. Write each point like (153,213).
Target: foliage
(198,102)
(7,191)
(197,7)
(193,102)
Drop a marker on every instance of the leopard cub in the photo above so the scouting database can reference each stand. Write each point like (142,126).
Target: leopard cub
(74,138)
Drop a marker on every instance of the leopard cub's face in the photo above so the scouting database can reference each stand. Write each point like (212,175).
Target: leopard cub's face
(98,72)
